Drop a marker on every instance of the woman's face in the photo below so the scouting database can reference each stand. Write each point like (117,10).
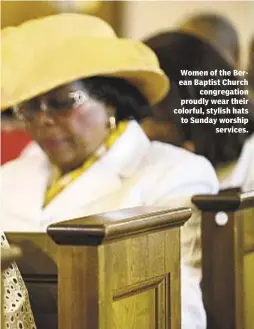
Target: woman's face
(67,123)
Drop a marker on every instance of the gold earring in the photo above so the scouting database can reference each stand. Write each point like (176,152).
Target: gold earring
(112,122)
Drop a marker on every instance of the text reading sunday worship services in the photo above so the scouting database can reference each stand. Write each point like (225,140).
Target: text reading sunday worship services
(222,101)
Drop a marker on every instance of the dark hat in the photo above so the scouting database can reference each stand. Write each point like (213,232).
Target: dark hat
(216,30)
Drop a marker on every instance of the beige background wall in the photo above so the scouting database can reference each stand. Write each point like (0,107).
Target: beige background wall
(144,17)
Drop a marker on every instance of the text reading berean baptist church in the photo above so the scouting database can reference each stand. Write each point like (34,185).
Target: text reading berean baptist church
(220,98)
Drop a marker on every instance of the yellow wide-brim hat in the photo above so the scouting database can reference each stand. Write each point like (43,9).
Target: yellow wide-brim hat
(42,54)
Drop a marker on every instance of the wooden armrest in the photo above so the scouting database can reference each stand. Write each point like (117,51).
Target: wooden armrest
(9,255)
(100,228)
(227,236)
(224,201)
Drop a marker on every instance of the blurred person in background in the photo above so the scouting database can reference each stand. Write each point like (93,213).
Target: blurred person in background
(204,42)
(81,93)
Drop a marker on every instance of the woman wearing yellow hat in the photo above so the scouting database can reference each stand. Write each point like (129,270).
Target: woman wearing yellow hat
(81,92)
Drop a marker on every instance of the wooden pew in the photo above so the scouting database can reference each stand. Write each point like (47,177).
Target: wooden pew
(228,258)
(108,271)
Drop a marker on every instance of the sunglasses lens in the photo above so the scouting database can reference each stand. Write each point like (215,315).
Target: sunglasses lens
(58,103)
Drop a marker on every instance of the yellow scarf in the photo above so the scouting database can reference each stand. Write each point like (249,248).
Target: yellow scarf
(62,181)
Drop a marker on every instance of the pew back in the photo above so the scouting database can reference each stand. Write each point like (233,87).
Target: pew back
(114,270)
(228,259)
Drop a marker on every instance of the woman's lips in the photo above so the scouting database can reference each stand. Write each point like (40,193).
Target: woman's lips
(51,144)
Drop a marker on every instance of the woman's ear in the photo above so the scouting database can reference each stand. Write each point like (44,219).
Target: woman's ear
(189,146)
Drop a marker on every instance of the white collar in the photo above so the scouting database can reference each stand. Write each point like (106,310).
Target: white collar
(126,153)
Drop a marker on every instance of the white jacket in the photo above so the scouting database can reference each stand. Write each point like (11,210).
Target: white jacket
(134,172)
(243,173)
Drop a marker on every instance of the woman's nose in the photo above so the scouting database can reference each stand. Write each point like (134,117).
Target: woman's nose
(43,118)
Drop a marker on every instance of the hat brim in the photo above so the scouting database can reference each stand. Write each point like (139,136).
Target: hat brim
(59,62)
